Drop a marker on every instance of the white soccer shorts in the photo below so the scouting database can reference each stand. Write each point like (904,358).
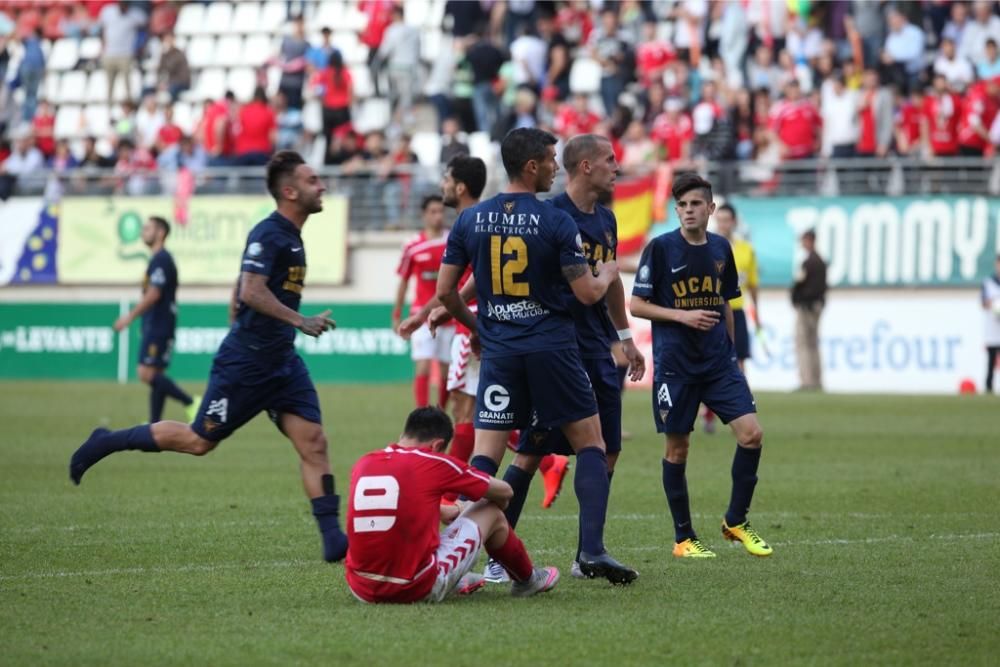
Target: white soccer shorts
(456,556)
(463,373)
(425,346)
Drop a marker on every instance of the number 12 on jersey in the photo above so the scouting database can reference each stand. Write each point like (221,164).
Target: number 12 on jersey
(508,260)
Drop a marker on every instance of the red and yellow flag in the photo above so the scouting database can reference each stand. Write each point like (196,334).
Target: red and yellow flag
(633,207)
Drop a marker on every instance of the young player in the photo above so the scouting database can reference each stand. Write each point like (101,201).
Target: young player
(522,252)
(590,162)
(397,553)
(422,259)
(256,367)
(158,308)
(686,278)
(746,269)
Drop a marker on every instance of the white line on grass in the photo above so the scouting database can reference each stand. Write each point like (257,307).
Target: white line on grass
(203,567)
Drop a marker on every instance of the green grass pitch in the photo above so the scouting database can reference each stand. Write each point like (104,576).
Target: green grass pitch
(882,512)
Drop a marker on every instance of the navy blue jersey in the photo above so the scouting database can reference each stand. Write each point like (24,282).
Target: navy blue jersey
(599,233)
(517,246)
(274,249)
(162,274)
(675,274)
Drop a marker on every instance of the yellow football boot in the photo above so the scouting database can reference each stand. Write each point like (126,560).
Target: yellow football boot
(746,534)
(692,548)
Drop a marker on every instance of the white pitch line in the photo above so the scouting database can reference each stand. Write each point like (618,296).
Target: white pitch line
(195,567)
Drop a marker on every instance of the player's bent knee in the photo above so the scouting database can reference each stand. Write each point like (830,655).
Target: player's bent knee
(753,439)
(146,374)
(200,446)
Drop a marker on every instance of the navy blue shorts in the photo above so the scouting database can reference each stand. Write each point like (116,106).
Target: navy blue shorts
(742,334)
(549,387)
(675,404)
(229,403)
(603,376)
(155,348)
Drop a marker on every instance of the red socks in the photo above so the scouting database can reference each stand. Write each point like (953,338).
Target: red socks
(422,390)
(463,442)
(514,557)
(442,392)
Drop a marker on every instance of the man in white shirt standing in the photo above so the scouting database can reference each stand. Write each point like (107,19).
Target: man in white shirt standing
(991,336)
(839,108)
(983,26)
(956,69)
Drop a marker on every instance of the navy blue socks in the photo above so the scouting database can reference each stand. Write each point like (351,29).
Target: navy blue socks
(103,442)
(326,509)
(520,481)
(485,464)
(592,486)
(676,489)
(160,388)
(745,463)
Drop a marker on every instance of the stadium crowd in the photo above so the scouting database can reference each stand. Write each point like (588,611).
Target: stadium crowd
(680,81)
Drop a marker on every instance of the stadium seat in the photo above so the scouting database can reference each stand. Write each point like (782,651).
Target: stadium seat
(481,147)
(354,52)
(184,117)
(328,14)
(63,56)
(97,86)
(90,48)
(229,51)
(201,52)
(73,87)
(312,116)
(245,18)
(190,19)
(427,146)
(211,84)
(97,119)
(67,121)
(373,114)
(272,17)
(218,18)
(353,18)
(362,77)
(242,81)
(119,92)
(257,49)
(585,76)
(51,90)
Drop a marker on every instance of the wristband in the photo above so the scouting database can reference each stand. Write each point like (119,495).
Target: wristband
(624,334)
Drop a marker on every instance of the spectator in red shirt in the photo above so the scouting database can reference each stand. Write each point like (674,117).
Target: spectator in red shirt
(575,22)
(170,133)
(795,124)
(338,93)
(575,118)
(256,131)
(215,132)
(652,55)
(674,131)
(979,108)
(909,114)
(939,128)
(876,116)
(44,124)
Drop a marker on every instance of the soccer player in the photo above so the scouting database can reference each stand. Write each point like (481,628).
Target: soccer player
(522,253)
(990,299)
(158,308)
(746,269)
(422,259)
(590,162)
(256,367)
(685,281)
(397,553)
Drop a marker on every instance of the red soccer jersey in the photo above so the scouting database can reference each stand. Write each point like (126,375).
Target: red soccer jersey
(941,114)
(422,258)
(673,135)
(569,122)
(978,110)
(908,118)
(393,519)
(461,329)
(650,56)
(169,135)
(256,123)
(797,125)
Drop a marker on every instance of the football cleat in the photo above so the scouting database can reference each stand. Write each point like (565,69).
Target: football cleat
(576,572)
(606,567)
(542,580)
(191,411)
(495,573)
(692,548)
(469,584)
(553,479)
(746,534)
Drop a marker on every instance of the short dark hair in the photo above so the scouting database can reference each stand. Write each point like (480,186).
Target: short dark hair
(161,223)
(688,181)
(430,199)
(728,208)
(281,165)
(809,234)
(426,424)
(470,171)
(579,148)
(521,145)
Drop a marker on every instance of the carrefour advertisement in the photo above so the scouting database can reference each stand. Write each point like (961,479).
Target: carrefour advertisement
(76,341)
(99,238)
(876,242)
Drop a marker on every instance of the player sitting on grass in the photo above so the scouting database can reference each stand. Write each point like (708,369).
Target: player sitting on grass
(397,553)
(686,278)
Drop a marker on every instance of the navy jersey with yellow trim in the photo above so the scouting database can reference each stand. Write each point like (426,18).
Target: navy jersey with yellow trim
(675,274)
(517,247)
(599,233)
(162,274)
(274,249)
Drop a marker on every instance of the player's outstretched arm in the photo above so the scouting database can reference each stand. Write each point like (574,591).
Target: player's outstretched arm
(588,288)
(148,300)
(702,320)
(447,294)
(255,294)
